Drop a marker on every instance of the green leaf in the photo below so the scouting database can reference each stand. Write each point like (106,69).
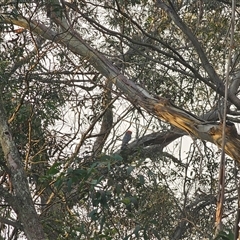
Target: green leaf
(69,184)
(126,200)
(94,182)
(93,215)
(58,183)
(129,170)
(134,201)
(54,169)
(117,157)
(136,230)
(226,234)
(141,179)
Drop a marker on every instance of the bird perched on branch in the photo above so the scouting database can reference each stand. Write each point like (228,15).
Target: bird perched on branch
(126,139)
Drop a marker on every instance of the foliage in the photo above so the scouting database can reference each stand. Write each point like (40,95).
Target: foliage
(67,120)
(225,235)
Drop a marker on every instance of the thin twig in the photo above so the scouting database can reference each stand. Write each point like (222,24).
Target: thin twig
(221,185)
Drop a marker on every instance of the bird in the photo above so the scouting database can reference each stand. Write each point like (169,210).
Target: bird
(126,139)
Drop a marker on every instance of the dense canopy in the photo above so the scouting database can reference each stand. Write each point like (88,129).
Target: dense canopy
(76,75)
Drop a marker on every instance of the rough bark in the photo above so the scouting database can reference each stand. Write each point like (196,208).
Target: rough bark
(22,204)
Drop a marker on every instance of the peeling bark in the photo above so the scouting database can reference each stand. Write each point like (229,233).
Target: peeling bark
(158,106)
(199,49)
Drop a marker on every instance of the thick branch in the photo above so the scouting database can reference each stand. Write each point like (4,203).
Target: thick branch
(158,106)
(200,51)
(107,119)
(10,222)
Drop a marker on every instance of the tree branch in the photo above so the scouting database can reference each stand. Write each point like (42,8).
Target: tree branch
(205,63)
(23,204)
(107,119)
(12,223)
(157,106)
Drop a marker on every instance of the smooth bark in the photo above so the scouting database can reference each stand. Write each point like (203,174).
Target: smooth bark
(156,105)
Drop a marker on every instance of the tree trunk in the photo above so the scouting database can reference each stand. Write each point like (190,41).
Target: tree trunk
(22,201)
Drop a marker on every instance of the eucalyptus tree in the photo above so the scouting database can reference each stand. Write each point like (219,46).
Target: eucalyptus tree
(75,75)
